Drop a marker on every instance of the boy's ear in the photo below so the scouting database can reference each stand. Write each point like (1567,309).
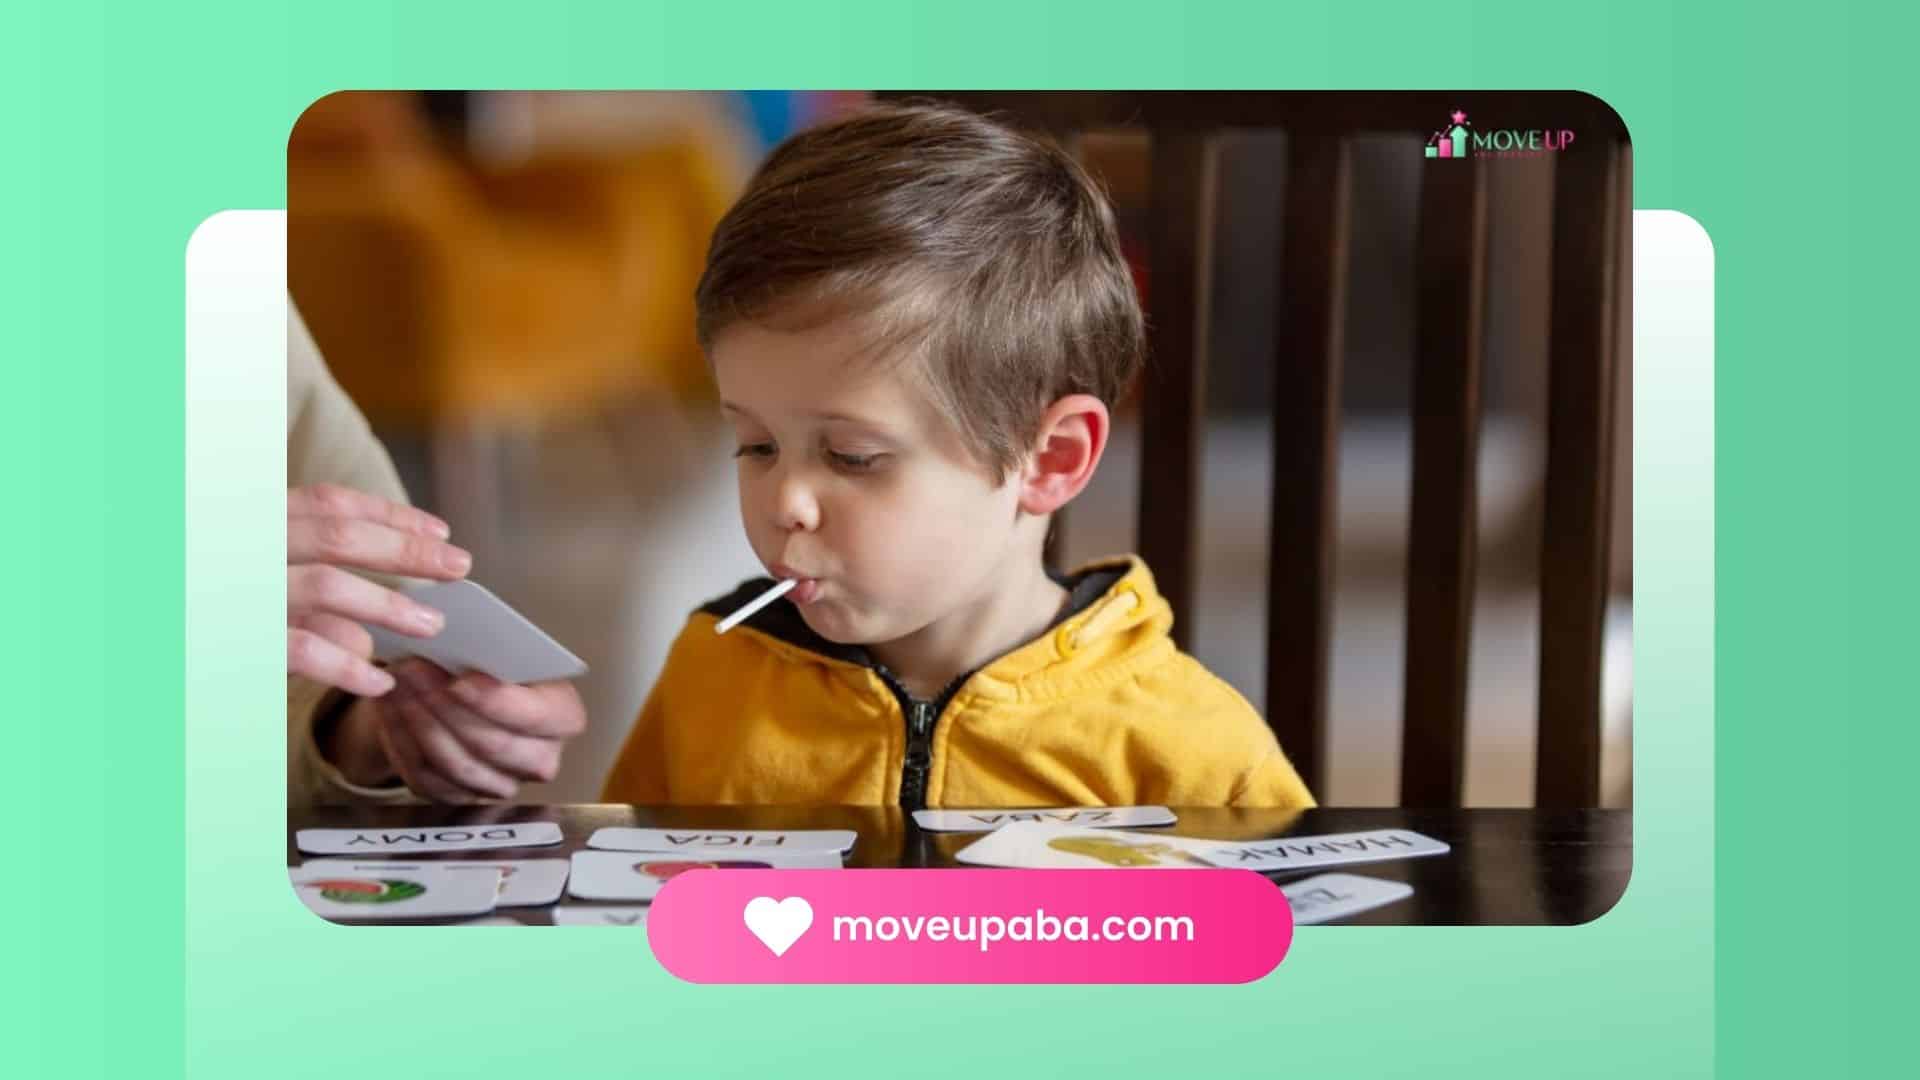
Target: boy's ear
(1073,435)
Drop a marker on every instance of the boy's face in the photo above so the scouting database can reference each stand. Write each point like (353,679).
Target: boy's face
(851,481)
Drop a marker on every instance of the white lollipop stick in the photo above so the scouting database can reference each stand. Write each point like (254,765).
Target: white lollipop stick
(756,604)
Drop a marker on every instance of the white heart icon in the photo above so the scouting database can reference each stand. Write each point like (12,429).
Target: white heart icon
(778,923)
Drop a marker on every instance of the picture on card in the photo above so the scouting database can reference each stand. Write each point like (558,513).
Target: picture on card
(523,882)
(1049,845)
(422,891)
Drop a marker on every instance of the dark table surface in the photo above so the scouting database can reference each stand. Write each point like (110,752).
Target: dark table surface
(1507,868)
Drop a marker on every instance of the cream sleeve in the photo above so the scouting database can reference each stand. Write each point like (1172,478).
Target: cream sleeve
(328,441)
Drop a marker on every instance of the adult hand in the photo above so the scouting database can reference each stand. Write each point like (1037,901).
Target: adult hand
(331,528)
(459,740)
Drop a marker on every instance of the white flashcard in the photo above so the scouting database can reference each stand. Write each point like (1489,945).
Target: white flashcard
(523,882)
(600,915)
(482,633)
(420,892)
(1045,845)
(1335,849)
(615,838)
(1325,897)
(410,840)
(1104,817)
(640,875)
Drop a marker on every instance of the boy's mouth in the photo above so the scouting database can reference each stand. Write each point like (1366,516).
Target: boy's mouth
(806,591)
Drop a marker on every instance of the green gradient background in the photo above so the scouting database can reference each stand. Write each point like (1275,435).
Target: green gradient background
(128,124)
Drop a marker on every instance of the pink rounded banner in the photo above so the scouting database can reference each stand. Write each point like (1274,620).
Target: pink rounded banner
(970,926)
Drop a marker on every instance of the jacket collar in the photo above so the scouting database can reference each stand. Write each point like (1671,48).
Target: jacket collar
(1113,611)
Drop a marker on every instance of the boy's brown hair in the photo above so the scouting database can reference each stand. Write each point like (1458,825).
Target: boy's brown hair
(986,254)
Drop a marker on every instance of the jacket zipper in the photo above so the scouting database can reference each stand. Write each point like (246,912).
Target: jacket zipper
(919,759)
(921,717)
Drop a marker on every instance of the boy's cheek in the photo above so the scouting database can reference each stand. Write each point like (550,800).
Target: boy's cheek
(764,541)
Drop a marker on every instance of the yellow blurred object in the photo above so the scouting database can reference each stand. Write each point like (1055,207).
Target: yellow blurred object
(445,291)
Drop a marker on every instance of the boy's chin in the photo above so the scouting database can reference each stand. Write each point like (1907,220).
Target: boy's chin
(842,627)
(831,622)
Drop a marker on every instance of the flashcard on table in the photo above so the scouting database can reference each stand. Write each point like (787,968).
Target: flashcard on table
(615,838)
(640,875)
(1103,817)
(1048,846)
(600,915)
(1334,849)
(523,882)
(1326,897)
(420,892)
(482,633)
(410,841)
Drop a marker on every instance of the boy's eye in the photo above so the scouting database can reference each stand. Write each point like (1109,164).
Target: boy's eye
(853,462)
(754,450)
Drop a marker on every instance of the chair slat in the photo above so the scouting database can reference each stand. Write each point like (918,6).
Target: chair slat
(1449,320)
(1310,337)
(1578,523)
(1173,393)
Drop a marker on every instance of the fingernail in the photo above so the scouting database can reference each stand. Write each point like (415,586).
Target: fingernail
(381,682)
(456,561)
(465,691)
(440,529)
(427,619)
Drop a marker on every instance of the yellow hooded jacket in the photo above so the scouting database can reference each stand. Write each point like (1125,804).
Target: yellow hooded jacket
(1102,710)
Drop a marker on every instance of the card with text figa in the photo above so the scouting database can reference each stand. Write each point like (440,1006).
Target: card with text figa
(640,875)
(615,838)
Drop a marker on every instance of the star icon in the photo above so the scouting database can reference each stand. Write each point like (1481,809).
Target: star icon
(1459,117)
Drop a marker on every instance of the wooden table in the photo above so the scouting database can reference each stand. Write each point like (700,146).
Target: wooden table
(1507,867)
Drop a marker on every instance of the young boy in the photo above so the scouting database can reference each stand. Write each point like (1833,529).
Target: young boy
(918,320)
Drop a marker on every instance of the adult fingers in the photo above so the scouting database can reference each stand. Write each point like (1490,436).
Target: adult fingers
(549,710)
(370,545)
(524,757)
(330,590)
(403,751)
(448,757)
(333,500)
(321,660)
(345,633)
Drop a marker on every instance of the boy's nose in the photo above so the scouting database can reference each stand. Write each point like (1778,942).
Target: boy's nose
(795,508)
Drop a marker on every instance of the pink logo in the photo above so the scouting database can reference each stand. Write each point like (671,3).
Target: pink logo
(1458,138)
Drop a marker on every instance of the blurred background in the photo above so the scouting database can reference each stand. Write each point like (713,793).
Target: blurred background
(503,281)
